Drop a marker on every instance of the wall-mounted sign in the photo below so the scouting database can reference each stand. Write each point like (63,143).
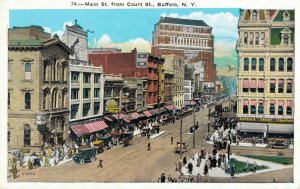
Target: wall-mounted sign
(265,120)
(111,106)
(141,60)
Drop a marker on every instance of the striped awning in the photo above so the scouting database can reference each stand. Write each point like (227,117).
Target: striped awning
(79,130)
(134,115)
(163,109)
(126,120)
(170,107)
(281,128)
(155,111)
(96,126)
(107,118)
(119,116)
(252,127)
(147,113)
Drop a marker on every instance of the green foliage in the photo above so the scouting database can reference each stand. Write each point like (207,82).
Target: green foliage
(239,165)
(274,159)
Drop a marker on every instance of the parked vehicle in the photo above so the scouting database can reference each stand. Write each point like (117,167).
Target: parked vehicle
(85,154)
(278,144)
(99,146)
(127,138)
(177,148)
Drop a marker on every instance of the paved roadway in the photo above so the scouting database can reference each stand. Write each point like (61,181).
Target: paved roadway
(136,164)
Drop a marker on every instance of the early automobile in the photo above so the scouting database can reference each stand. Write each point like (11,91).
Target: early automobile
(99,146)
(127,138)
(177,148)
(278,144)
(85,154)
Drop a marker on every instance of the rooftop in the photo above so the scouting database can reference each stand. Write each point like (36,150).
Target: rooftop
(27,42)
(182,21)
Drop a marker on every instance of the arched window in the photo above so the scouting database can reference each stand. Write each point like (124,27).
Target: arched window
(272,107)
(256,38)
(272,64)
(54,70)
(246,64)
(281,65)
(27,100)
(261,86)
(253,107)
(261,64)
(280,85)
(246,85)
(272,86)
(26,135)
(289,86)
(8,100)
(251,38)
(45,63)
(280,107)
(289,107)
(262,39)
(253,64)
(253,85)
(54,99)
(289,67)
(260,107)
(245,38)
(254,15)
(245,106)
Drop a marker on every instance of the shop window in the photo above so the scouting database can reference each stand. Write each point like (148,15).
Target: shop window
(26,135)
(27,100)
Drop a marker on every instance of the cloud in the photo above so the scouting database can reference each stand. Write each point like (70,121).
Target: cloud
(224,48)
(224,24)
(139,43)
(58,32)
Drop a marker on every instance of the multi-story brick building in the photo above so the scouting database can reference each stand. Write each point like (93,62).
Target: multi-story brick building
(38,70)
(86,80)
(191,39)
(266,49)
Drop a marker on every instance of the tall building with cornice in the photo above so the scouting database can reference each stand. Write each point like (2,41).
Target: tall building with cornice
(265,94)
(191,39)
(38,112)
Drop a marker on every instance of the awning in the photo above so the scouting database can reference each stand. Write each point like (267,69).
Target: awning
(161,110)
(153,112)
(95,126)
(170,107)
(107,118)
(126,120)
(289,103)
(261,84)
(280,103)
(134,115)
(281,128)
(252,127)
(147,113)
(119,116)
(253,83)
(245,83)
(79,130)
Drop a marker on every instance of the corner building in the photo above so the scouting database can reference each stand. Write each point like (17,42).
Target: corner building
(266,74)
(191,39)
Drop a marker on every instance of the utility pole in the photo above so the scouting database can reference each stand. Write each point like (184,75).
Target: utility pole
(194,128)
(180,138)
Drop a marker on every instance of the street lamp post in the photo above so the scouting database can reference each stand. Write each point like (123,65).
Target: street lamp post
(194,128)
(180,138)
(208,125)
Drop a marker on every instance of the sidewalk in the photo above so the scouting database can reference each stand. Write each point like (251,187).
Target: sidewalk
(157,134)
(220,172)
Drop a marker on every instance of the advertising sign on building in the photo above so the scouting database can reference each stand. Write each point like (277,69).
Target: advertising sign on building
(111,106)
(141,60)
(187,83)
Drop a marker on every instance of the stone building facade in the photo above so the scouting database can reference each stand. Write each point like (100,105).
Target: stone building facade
(266,73)
(176,64)
(38,74)
(86,80)
(191,39)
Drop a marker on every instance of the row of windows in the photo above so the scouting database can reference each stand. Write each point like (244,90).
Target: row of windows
(257,38)
(86,77)
(281,64)
(85,110)
(86,93)
(253,87)
(54,71)
(260,109)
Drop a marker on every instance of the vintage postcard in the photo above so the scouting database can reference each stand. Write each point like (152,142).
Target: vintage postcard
(135,93)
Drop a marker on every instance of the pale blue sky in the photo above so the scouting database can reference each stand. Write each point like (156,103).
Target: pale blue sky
(126,28)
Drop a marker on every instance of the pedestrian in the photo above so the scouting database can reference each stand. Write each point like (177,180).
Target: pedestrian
(163,177)
(149,146)
(205,169)
(171,139)
(198,178)
(100,163)
(190,167)
(46,161)
(179,166)
(219,161)
(246,167)
(198,161)
(254,167)
(14,171)
(184,161)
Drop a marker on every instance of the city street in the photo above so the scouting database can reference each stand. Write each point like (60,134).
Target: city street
(136,164)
